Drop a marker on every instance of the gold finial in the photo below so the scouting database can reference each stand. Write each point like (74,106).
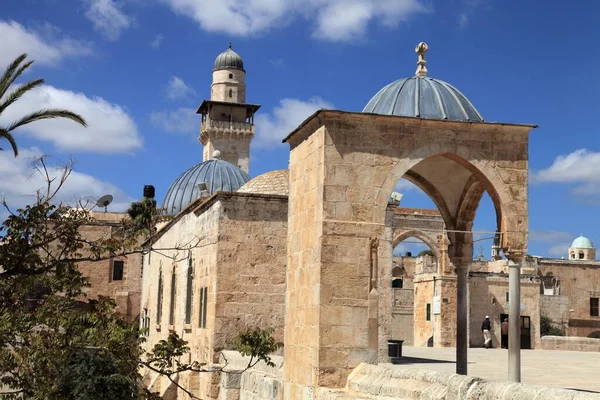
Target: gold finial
(421,49)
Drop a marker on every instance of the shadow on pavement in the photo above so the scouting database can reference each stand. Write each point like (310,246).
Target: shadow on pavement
(418,360)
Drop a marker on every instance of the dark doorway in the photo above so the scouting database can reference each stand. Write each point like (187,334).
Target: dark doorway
(525,330)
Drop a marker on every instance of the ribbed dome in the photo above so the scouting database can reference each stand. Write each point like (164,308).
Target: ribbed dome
(582,243)
(218,175)
(272,182)
(228,59)
(423,97)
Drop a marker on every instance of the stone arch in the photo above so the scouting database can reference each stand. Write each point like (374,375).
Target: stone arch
(425,238)
(485,177)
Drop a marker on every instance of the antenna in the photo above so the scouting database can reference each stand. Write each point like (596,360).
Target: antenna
(104,201)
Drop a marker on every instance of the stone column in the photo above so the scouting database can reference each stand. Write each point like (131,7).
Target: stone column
(462,307)
(514,318)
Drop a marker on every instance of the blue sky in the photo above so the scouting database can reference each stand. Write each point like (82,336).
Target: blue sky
(137,70)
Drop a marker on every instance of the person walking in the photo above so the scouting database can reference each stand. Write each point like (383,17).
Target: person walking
(504,334)
(486,327)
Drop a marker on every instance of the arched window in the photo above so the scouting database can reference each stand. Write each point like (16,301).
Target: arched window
(230,93)
(159,297)
(172,306)
(581,255)
(189,291)
(572,256)
(230,76)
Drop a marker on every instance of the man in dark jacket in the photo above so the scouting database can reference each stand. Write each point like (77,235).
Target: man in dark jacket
(486,327)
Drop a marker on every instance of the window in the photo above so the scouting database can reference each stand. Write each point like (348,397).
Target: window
(594,307)
(159,297)
(397,283)
(202,307)
(117,270)
(428,316)
(573,256)
(581,256)
(189,291)
(172,306)
(230,76)
(230,93)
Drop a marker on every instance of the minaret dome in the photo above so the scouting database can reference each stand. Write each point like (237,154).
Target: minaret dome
(229,78)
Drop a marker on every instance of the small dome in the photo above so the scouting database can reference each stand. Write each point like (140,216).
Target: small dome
(582,243)
(218,175)
(272,182)
(423,97)
(228,59)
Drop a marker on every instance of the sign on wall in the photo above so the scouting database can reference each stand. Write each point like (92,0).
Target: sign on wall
(437,305)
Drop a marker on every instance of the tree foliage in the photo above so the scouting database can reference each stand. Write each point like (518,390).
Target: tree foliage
(54,342)
(12,72)
(547,327)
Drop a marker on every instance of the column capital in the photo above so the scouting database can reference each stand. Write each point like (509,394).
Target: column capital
(516,255)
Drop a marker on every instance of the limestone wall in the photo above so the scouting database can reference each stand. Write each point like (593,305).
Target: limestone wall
(556,308)
(570,343)
(579,281)
(126,292)
(402,315)
(251,266)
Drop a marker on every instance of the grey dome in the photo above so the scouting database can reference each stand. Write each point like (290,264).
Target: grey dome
(423,97)
(218,175)
(228,59)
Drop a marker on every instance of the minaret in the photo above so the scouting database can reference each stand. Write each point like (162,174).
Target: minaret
(227,121)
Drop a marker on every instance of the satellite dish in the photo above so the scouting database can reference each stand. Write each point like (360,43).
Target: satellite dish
(104,201)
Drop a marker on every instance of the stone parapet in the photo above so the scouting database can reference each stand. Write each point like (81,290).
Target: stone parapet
(570,343)
(385,382)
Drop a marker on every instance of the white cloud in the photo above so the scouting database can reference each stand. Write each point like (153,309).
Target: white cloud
(178,89)
(107,17)
(549,236)
(335,20)
(182,120)
(580,167)
(272,128)
(157,41)
(20,182)
(45,44)
(110,129)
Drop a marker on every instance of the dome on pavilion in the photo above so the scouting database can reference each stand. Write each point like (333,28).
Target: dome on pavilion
(582,243)
(423,97)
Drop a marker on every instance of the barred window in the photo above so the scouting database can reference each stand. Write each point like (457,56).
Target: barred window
(594,307)
(202,307)
(428,312)
(117,270)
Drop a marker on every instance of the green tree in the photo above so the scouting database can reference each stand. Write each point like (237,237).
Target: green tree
(12,72)
(425,252)
(547,328)
(55,343)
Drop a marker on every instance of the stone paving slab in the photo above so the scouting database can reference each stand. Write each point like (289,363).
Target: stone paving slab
(561,369)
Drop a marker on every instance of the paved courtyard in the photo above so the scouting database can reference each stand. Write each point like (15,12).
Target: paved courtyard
(563,369)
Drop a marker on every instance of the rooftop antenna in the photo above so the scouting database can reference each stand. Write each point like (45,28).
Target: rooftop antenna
(104,201)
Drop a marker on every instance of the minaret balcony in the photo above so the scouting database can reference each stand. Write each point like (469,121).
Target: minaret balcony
(242,127)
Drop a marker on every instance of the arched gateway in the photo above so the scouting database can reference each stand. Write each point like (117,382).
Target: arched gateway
(343,168)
